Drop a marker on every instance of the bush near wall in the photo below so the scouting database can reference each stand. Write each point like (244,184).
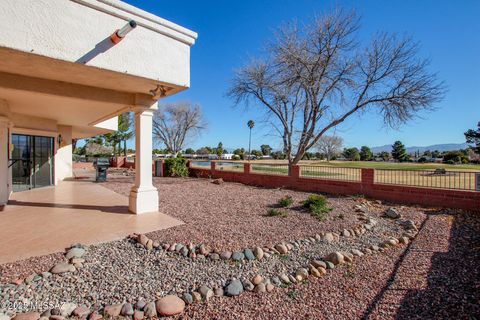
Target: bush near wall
(176,167)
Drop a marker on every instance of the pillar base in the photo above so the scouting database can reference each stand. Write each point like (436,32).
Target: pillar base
(143,200)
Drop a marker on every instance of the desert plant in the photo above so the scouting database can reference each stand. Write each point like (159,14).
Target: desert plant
(285,202)
(275,213)
(176,167)
(318,206)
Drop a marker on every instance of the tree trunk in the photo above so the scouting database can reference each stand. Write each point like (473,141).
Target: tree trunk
(125,148)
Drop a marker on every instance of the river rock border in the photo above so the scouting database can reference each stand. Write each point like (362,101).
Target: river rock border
(173,305)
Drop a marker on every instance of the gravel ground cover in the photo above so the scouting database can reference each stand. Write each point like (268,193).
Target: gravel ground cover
(232,215)
(435,277)
(123,271)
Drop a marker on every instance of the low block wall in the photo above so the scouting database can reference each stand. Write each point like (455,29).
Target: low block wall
(467,200)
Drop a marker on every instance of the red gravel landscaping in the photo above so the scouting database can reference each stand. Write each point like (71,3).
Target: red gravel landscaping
(233,216)
(435,277)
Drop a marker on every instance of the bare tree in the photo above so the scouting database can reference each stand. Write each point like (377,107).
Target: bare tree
(314,77)
(174,123)
(329,146)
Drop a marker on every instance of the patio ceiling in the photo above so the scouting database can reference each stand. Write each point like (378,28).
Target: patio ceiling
(71,94)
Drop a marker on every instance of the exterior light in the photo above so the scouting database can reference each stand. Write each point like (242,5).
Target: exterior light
(60,140)
(118,35)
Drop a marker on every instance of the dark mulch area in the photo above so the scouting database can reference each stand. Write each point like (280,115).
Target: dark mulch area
(435,277)
(233,216)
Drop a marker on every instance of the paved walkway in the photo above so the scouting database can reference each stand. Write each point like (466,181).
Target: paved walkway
(47,220)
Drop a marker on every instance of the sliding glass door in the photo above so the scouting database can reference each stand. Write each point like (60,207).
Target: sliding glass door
(32,162)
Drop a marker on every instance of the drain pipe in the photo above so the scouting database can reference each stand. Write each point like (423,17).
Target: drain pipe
(118,35)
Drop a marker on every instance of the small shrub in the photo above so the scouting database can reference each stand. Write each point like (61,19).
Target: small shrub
(285,202)
(176,167)
(275,213)
(318,206)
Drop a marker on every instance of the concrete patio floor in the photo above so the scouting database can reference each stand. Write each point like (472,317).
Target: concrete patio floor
(48,220)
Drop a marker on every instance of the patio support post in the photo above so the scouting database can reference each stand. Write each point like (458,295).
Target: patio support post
(4,156)
(143,196)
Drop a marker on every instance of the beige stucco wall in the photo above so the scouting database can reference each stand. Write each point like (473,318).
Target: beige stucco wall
(79,30)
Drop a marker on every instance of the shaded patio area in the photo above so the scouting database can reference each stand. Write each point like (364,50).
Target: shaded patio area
(47,220)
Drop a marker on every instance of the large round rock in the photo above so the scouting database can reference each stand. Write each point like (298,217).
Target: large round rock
(170,305)
(234,288)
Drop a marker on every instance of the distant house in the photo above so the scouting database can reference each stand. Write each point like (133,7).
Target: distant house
(227,156)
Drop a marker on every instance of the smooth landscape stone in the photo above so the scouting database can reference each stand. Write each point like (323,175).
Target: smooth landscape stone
(329,265)
(276,281)
(27,316)
(258,252)
(113,310)
(81,311)
(403,240)
(328,237)
(319,263)
(75,253)
(269,287)
(357,252)
(234,288)
(393,214)
(249,254)
(218,292)
(301,274)
(284,278)
(206,292)
(149,245)
(282,249)
(247,285)
(170,305)
(260,288)
(238,256)
(95,316)
(187,297)
(67,308)
(315,272)
(179,247)
(127,309)
(197,297)
(335,258)
(226,255)
(257,279)
(138,315)
(346,233)
(150,310)
(62,267)
(143,239)
(347,256)
(214,256)
(141,303)
(322,271)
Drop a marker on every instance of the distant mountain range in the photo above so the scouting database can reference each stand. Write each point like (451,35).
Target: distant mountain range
(439,147)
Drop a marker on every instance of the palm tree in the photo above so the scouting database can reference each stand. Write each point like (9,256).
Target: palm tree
(250,125)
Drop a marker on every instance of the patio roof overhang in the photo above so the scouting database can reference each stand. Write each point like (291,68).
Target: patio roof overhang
(67,69)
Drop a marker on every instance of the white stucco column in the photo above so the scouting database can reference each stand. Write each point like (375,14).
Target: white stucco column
(5,180)
(143,196)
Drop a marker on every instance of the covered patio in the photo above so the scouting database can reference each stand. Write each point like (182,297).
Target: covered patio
(47,220)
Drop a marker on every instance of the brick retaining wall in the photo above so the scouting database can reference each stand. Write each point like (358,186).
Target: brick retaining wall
(468,200)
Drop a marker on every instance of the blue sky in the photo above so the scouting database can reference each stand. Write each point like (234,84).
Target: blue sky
(232,31)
